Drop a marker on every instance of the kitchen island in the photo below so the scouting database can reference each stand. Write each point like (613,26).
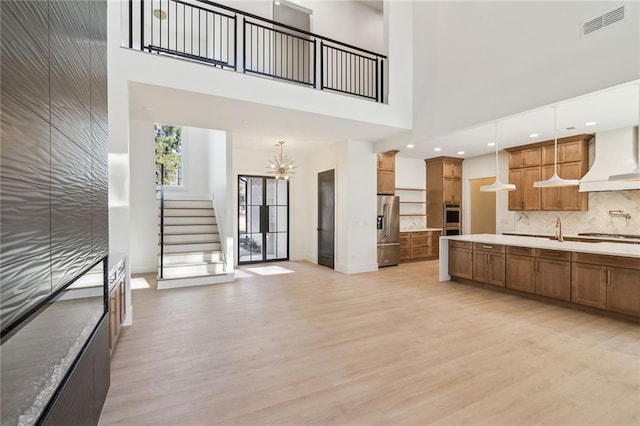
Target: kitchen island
(600,275)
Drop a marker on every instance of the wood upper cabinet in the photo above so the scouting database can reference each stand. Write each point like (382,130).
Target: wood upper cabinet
(570,151)
(573,163)
(525,158)
(566,198)
(386,173)
(444,186)
(525,196)
(460,260)
(452,190)
(452,168)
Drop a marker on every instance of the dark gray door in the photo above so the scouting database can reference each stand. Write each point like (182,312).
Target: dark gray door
(326,218)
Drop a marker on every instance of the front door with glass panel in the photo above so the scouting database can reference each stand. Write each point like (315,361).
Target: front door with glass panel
(263,219)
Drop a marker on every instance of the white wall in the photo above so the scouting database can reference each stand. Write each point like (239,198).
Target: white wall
(482,167)
(249,162)
(478,61)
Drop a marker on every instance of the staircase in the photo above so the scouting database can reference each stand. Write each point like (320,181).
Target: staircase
(192,252)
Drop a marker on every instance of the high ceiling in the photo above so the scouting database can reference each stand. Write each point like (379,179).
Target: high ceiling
(258,126)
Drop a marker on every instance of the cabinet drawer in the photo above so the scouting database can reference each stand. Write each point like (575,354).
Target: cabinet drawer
(553,254)
(603,259)
(521,251)
(419,252)
(460,244)
(498,248)
(404,237)
(419,239)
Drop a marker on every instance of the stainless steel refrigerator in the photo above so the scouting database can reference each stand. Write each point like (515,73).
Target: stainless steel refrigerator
(388,230)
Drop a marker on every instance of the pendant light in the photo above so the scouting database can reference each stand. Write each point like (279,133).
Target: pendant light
(635,174)
(497,186)
(282,166)
(555,180)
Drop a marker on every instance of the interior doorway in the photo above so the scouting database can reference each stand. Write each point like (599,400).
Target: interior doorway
(483,207)
(326,218)
(263,219)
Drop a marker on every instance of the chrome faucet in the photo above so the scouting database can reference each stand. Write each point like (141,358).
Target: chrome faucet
(559,230)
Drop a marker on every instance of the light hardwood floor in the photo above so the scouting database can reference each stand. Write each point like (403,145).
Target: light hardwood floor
(392,347)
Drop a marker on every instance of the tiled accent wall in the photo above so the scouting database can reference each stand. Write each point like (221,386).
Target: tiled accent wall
(54,152)
(596,219)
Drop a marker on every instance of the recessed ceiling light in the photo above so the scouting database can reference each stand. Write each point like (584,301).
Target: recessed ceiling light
(437,149)
(491,144)
(590,123)
(533,135)
(460,152)
(569,128)
(160,14)
(410,145)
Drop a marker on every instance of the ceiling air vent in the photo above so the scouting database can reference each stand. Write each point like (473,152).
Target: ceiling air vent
(603,20)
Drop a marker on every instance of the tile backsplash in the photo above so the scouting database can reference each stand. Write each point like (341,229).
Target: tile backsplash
(596,219)
(411,223)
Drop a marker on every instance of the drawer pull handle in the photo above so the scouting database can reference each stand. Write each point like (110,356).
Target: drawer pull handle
(487,247)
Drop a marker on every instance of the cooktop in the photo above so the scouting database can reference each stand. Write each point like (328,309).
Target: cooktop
(603,235)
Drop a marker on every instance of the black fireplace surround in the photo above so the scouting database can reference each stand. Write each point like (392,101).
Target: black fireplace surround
(53,211)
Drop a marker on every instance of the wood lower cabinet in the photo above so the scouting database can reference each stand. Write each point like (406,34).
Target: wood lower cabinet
(116,314)
(623,291)
(605,282)
(603,286)
(419,245)
(460,259)
(553,278)
(489,264)
(520,273)
(589,285)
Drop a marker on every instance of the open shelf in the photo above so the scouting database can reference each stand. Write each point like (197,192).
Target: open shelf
(413,202)
(411,189)
(419,214)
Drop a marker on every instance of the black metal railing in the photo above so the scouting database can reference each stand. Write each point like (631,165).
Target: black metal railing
(161,180)
(212,33)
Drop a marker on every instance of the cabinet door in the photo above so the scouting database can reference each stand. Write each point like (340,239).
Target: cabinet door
(553,278)
(419,245)
(452,190)
(480,266)
(386,162)
(588,285)
(496,269)
(623,291)
(405,246)
(451,168)
(569,199)
(531,195)
(572,151)
(386,183)
(520,273)
(460,263)
(516,196)
(549,197)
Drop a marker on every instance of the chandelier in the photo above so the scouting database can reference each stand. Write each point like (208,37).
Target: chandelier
(281,166)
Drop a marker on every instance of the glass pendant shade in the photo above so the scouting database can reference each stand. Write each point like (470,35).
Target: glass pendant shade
(555,180)
(497,186)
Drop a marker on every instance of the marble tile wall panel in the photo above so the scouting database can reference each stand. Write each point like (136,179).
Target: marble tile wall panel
(596,219)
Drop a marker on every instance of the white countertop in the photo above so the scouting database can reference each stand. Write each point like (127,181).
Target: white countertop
(613,249)
(421,230)
(582,237)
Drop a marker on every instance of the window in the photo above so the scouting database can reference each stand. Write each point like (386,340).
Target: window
(169,153)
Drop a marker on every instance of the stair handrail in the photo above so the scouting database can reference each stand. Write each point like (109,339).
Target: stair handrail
(161,220)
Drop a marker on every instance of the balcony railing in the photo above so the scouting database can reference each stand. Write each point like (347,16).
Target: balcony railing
(224,37)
